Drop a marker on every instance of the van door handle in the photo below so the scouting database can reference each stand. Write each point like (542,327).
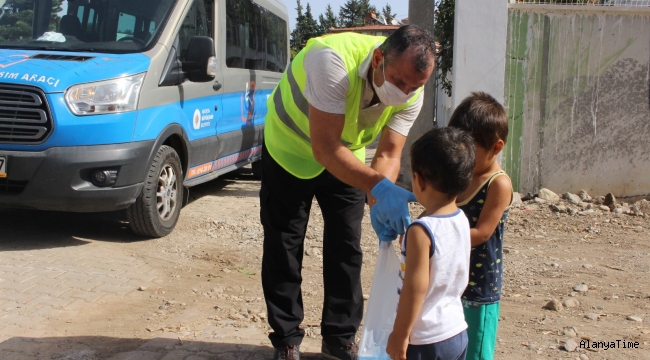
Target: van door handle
(216,86)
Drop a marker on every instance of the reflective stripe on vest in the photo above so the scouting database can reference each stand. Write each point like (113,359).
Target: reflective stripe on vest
(302,104)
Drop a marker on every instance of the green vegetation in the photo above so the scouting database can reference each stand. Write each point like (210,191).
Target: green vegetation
(17,16)
(351,14)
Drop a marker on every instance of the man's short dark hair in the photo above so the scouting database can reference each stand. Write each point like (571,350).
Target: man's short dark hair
(410,37)
(483,117)
(445,158)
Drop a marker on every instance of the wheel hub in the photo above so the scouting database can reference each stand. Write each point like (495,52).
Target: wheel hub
(166,197)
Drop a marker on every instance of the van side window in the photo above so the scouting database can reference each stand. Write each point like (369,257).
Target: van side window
(197,22)
(256,39)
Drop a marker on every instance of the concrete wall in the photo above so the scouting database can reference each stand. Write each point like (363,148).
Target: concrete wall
(578,98)
(480,32)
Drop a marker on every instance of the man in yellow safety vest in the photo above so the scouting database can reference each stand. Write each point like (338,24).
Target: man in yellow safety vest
(338,95)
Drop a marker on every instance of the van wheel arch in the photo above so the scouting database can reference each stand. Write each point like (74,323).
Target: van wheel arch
(175,137)
(177,143)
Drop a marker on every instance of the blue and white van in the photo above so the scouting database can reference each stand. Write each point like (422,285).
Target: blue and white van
(121,104)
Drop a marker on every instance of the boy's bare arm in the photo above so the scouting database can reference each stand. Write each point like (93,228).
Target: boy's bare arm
(498,199)
(416,283)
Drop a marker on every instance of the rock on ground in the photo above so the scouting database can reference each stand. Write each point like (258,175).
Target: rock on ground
(584,196)
(610,201)
(548,195)
(570,345)
(554,305)
(572,198)
(571,303)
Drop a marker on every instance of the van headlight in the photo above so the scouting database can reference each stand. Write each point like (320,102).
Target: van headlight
(105,97)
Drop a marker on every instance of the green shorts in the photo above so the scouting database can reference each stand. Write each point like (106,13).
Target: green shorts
(482,323)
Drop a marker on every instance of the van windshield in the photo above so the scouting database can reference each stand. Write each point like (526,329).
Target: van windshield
(113,26)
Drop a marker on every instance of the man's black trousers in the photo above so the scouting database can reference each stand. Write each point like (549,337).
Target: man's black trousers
(285,202)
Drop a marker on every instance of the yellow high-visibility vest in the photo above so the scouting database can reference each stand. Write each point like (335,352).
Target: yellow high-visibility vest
(286,129)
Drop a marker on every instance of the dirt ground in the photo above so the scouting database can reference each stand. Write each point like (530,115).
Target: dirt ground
(209,290)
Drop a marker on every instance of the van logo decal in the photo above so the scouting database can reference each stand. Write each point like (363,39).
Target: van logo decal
(248,103)
(196,121)
(202,118)
(13,61)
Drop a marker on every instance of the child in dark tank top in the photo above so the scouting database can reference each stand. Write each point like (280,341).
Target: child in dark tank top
(486,203)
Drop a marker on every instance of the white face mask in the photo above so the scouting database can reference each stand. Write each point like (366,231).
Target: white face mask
(388,93)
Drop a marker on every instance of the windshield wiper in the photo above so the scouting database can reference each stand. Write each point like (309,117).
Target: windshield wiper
(82,49)
(31,47)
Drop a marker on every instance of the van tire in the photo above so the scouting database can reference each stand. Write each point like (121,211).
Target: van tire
(156,210)
(257,169)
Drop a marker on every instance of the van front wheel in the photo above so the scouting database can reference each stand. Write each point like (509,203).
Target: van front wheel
(157,208)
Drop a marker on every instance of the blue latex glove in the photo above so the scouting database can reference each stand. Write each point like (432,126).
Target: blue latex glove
(384,233)
(391,210)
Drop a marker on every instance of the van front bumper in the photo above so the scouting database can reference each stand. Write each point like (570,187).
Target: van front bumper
(59,178)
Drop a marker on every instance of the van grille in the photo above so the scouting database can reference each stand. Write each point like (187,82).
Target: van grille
(24,115)
(11,187)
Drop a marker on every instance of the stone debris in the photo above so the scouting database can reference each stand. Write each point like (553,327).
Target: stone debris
(570,331)
(558,208)
(610,201)
(634,318)
(570,345)
(540,201)
(572,198)
(553,305)
(592,316)
(548,195)
(581,288)
(571,303)
(314,251)
(584,196)
(641,207)
(636,210)
(582,204)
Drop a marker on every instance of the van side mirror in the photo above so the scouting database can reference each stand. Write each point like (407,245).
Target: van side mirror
(200,63)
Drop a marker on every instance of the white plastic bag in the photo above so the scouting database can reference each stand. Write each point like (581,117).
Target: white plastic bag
(382,305)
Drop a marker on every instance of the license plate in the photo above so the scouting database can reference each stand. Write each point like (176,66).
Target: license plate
(3,167)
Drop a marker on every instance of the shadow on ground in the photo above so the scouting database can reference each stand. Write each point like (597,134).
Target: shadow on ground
(33,229)
(227,186)
(110,348)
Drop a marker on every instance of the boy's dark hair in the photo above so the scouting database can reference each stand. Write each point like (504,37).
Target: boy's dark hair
(445,158)
(483,117)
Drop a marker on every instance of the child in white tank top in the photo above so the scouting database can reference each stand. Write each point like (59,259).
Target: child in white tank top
(430,323)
